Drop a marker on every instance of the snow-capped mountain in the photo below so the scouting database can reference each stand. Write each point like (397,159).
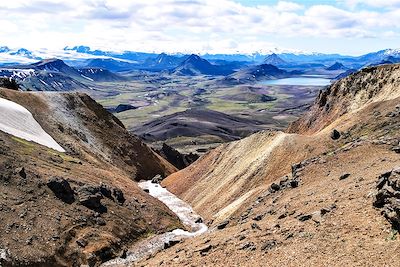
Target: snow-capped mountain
(84,56)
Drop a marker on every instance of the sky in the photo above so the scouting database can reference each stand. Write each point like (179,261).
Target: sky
(351,27)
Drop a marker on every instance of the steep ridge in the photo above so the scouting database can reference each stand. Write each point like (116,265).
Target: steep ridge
(244,165)
(305,197)
(373,84)
(82,206)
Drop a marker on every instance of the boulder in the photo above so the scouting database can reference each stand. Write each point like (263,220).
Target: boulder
(113,193)
(335,135)
(222,225)
(387,197)
(275,187)
(344,176)
(396,149)
(304,218)
(61,189)
(105,190)
(21,172)
(90,196)
(118,195)
(267,245)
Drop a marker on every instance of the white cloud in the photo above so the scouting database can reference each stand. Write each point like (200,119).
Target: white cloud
(288,6)
(185,25)
(373,3)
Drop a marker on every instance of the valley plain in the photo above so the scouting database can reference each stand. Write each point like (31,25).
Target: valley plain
(156,95)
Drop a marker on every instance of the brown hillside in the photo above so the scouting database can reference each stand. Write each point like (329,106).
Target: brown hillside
(82,206)
(320,211)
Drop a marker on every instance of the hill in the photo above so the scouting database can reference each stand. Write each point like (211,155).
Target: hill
(72,199)
(100,75)
(111,64)
(195,65)
(56,75)
(258,72)
(55,65)
(337,66)
(46,75)
(204,123)
(163,62)
(314,189)
(274,59)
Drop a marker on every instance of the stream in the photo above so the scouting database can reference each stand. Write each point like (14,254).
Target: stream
(189,218)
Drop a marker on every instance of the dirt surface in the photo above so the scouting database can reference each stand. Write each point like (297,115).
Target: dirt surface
(82,206)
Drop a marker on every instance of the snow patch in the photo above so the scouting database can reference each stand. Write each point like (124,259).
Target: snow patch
(151,245)
(185,213)
(90,79)
(18,121)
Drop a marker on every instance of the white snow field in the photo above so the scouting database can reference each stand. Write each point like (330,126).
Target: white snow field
(18,121)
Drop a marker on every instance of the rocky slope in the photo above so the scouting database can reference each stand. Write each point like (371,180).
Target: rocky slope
(370,85)
(306,197)
(82,206)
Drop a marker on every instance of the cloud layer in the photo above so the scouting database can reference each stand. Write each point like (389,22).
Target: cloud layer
(192,25)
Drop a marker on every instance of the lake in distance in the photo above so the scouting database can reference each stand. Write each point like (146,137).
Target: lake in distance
(300,81)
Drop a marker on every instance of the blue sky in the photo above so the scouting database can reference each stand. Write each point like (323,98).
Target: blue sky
(203,26)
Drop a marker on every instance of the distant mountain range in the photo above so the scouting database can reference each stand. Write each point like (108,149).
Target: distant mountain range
(86,66)
(84,56)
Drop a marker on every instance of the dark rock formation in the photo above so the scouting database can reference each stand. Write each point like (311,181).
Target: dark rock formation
(177,159)
(9,83)
(335,135)
(388,196)
(90,196)
(222,225)
(61,189)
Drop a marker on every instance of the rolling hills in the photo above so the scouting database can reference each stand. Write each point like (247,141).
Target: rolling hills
(196,123)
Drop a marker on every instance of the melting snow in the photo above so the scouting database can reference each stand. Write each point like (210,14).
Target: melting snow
(179,207)
(18,121)
(149,246)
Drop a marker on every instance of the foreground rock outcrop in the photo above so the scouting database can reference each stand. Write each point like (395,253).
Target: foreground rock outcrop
(388,196)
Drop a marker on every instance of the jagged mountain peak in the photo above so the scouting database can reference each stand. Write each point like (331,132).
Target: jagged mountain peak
(195,58)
